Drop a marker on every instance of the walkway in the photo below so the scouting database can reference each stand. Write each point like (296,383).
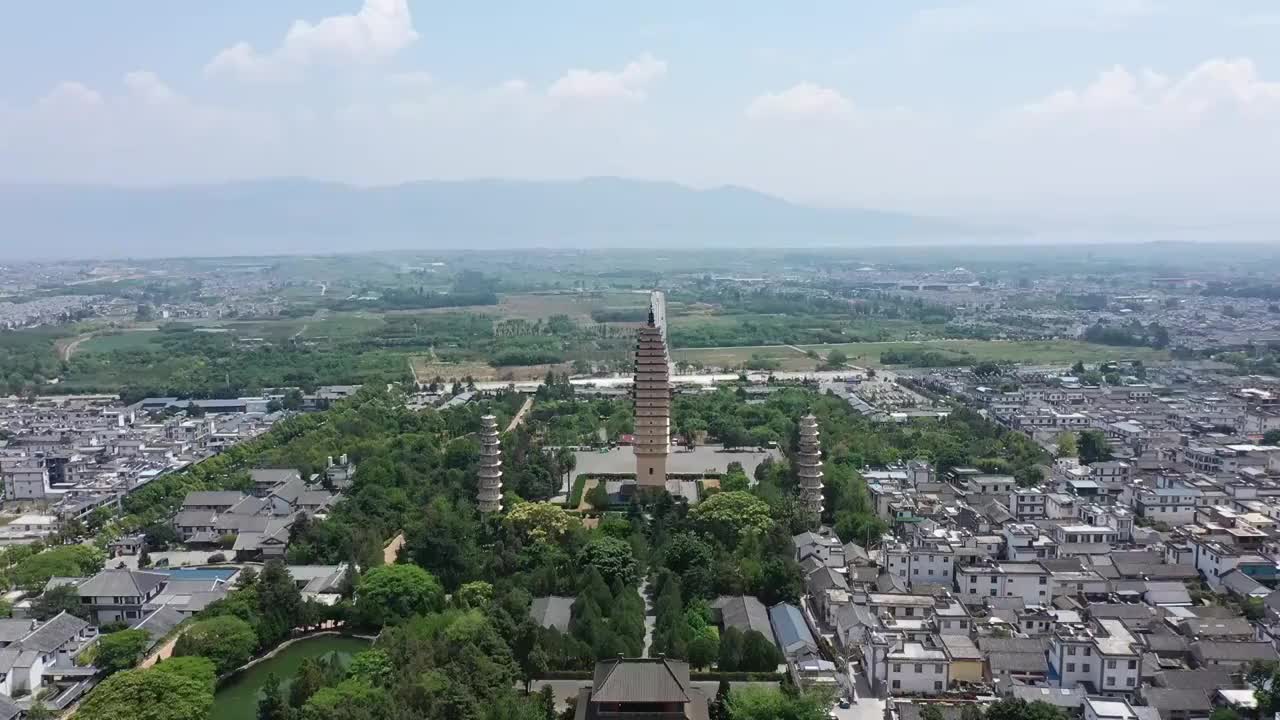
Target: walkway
(392,550)
(519,418)
(650,618)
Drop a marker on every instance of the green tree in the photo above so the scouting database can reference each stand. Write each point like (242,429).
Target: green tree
(613,558)
(703,651)
(393,593)
(272,704)
(930,712)
(373,667)
(1271,437)
(1067,445)
(764,703)
(735,481)
(730,650)
(62,598)
(598,496)
(279,604)
(151,694)
(353,695)
(541,522)
(225,640)
(1093,447)
(40,711)
(475,595)
(306,682)
(121,650)
(759,654)
(728,516)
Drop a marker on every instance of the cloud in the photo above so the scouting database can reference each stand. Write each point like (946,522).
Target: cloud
(380,29)
(148,87)
(803,100)
(629,83)
(70,94)
(1217,89)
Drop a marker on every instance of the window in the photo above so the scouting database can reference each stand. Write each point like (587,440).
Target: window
(1085,667)
(1129,681)
(919,668)
(993,579)
(972,591)
(897,684)
(937,685)
(915,571)
(1133,664)
(1111,680)
(1071,650)
(911,611)
(897,667)
(937,668)
(1111,664)
(1088,652)
(1071,667)
(930,571)
(1044,580)
(902,573)
(650,471)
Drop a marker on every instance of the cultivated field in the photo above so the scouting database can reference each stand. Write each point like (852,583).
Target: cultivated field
(1047,352)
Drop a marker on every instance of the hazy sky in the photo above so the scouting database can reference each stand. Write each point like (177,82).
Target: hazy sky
(1099,109)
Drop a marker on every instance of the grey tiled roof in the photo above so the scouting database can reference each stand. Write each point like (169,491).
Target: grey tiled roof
(114,583)
(743,612)
(647,680)
(61,629)
(552,612)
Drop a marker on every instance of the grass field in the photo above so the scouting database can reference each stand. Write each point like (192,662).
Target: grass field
(124,340)
(1047,352)
(534,306)
(1029,352)
(734,357)
(426,368)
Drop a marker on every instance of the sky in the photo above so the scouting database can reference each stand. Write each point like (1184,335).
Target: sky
(1095,111)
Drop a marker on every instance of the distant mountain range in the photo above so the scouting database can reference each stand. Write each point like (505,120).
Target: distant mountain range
(301,216)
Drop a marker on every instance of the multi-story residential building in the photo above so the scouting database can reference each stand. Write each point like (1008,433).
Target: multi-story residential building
(1024,542)
(1027,580)
(1214,559)
(1084,539)
(119,595)
(25,480)
(924,561)
(1170,505)
(1028,504)
(1103,657)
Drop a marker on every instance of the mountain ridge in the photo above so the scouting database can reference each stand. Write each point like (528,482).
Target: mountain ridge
(294,215)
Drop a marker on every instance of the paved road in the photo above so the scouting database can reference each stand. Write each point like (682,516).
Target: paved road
(519,418)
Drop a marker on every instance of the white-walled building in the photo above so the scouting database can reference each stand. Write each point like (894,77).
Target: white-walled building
(1027,580)
(1103,657)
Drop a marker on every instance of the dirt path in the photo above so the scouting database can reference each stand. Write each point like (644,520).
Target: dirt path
(392,550)
(519,418)
(66,351)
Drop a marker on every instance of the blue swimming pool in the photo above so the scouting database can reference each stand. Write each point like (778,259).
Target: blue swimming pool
(199,573)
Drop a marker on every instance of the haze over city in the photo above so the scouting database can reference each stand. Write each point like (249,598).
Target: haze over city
(1100,114)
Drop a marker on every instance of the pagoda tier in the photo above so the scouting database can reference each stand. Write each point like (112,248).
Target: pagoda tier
(489,475)
(809,468)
